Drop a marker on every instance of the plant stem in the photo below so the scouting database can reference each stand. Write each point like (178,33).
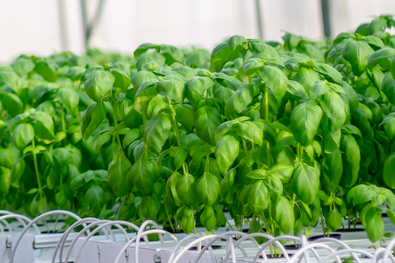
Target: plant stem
(115,122)
(63,120)
(245,147)
(268,155)
(169,218)
(36,169)
(322,224)
(177,135)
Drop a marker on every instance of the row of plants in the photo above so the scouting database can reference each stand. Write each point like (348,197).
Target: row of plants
(284,136)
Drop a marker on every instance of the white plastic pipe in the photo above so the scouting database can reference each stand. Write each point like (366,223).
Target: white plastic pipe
(63,239)
(112,223)
(33,222)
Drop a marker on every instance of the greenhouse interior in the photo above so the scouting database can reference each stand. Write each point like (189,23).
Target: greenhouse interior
(197,131)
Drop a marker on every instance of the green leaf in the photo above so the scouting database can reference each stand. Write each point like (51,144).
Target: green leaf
(131,137)
(360,194)
(207,120)
(284,214)
(274,184)
(142,175)
(186,189)
(351,129)
(173,88)
(389,87)
(180,157)
(296,89)
(357,53)
(329,72)
(380,55)
(23,135)
(23,65)
(305,120)
(207,217)
(389,171)
(257,174)
(334,107)
(143,48)
(333,219)
(250,131)
(188,220)
(207,189)
(46,67)
(121,74)
(172,54)
(98,84)
(5,179)
(95,197)
(319,88)
(282,171)
(117,171)
(258,197)
(11,103)
(141,77)
(275,79)
(351,159)
(69,98)
(92,118)
(391,215)
(226,151)
(196,88)
(306,77)
(156,132)
(374,224)
(219,56)
(239,101)
(185,115)
(75,73)
(11,79)
(150,57)
(43,125)
(150,207)
(100,140)
(305,183)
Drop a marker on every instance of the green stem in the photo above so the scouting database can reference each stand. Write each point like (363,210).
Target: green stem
(245,147)
(322,224)
(177,136)
(169,218)
(268,155)
(115,123)
(36,169)
(63,120)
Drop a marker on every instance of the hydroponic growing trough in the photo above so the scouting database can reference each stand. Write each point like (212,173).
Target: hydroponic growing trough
(115,245)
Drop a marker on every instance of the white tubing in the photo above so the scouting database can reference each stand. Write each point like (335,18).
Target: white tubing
(302,250)
(142,228)
(344,251)
(3,218)
(269,242)
(63,239)
(55,212)
(5,212)
(327,239)
(196,241)
(112,223)
(85,229)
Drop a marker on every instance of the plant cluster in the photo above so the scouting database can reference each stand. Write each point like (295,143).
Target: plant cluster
(284,136)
